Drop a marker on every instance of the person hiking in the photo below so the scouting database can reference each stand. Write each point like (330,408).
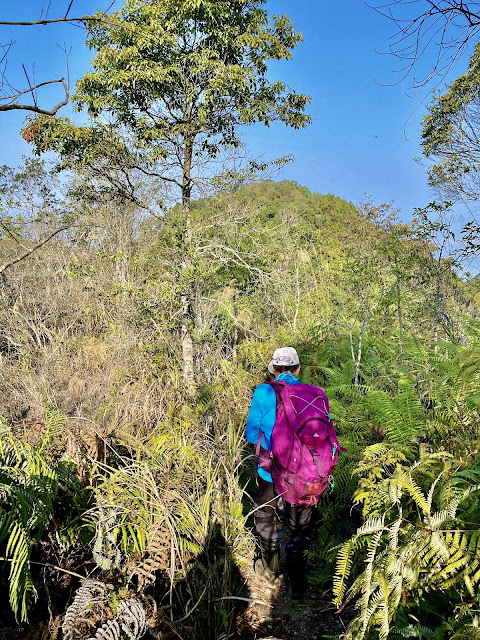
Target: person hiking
(278,409)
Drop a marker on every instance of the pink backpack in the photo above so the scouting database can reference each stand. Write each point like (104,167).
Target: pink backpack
(304,448)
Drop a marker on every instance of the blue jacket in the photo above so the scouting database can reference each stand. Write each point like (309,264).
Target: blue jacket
(262,415)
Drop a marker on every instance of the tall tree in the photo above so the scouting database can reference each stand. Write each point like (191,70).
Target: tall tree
(177,79)
(451,140)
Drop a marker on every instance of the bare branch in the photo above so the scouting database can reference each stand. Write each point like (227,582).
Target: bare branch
(446,26)
(44,21)
(34,107)
(30,251)
(9,99)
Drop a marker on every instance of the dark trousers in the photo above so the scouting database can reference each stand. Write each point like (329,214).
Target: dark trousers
(299,517)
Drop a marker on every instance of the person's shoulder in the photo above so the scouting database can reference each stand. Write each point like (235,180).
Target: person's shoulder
(264,387)
(263,390)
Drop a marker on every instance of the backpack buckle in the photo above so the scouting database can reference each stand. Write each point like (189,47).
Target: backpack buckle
(331,483)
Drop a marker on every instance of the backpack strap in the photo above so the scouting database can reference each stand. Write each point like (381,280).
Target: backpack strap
(260,432)
(259,443)
(286,405)
(265,456)
(276,387)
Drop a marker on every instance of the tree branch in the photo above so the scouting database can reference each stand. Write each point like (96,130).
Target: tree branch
(66,18)
(447,25)
(10,101)
(34,107)
(30,251)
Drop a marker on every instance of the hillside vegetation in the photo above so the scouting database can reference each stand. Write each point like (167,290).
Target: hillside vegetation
(148,270)
(111,470)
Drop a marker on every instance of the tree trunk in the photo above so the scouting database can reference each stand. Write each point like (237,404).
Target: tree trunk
(185,272)
(436,313)
(399,312)
(357,360)
(297,300)
(438,297)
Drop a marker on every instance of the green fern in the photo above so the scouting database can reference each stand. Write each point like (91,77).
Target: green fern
(413,538)
(401,417)
(418,631)
(28,488)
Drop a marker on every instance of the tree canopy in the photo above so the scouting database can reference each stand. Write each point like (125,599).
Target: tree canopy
(175,80)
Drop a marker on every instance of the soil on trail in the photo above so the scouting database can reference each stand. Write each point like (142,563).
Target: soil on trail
(271,614)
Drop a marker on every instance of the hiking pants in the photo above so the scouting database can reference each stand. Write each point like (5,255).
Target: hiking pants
(299,517)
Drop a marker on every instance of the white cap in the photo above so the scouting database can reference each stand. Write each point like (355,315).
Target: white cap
(285,357)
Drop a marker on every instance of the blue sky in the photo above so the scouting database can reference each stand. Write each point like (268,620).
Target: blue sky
(363,139)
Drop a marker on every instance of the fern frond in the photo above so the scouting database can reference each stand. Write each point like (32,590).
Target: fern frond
(55,426)
(409,485)
(373,525)
(21,585)
(342,571)
(457,500)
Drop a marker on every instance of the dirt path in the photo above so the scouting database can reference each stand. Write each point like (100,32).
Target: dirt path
(271,614)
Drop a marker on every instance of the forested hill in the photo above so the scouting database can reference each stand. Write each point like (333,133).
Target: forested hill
(111,469)
(318,261)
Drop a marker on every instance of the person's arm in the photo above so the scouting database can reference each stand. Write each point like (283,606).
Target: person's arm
(260,414)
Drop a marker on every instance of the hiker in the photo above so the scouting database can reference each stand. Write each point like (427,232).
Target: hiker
(279,472)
